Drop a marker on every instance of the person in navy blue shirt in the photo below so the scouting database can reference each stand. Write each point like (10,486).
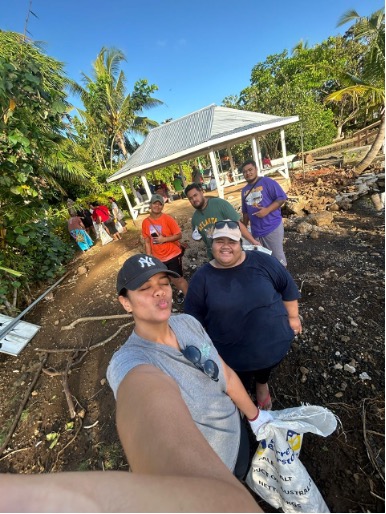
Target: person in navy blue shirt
(248,304)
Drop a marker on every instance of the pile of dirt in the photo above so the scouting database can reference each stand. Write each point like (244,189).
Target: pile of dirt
(338,361)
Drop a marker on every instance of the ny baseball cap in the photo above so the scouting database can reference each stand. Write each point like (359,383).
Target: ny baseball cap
(227,228)
(138,269)
(157,198)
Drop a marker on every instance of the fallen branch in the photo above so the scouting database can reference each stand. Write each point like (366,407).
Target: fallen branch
(15,451)
(376,496)
(86,350)
(68,444)
(369,450)
(67,392)
(94,318)
(60,350)
(23,404)
(51,372)
(71,363)
(97,345)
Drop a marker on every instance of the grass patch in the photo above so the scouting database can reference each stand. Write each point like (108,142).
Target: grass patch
(111,455)
(24,415)
(84,466)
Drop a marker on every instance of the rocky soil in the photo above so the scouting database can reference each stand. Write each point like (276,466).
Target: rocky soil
(66,419)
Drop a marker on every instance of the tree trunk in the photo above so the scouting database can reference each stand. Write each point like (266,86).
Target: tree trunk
(121,143)
(376,146)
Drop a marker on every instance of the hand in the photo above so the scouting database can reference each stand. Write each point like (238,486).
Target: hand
(263,418)
(263,212)
(161,239)
(295,324)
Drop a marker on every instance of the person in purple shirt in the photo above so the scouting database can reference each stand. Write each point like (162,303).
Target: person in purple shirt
(261,201)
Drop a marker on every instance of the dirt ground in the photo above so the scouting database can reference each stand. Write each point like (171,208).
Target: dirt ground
(339,271)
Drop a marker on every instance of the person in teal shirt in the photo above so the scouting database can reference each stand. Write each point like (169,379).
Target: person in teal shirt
(208,210)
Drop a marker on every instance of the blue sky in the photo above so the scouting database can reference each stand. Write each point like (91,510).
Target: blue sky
(197,52)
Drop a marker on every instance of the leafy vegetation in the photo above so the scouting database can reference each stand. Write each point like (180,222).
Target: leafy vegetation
(285,85)
(50,152)
(35,156)
(367,88)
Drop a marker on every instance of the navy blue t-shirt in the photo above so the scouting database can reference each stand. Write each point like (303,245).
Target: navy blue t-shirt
(242,310)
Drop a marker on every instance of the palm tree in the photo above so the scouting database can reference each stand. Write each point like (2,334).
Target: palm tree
(113,112)
(370,87)
(301,45)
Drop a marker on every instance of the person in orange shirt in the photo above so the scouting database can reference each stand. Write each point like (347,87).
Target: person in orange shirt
(161,234)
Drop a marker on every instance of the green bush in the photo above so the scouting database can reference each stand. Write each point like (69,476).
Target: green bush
(38,250)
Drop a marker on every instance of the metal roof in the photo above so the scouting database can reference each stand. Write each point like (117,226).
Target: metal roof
(209,128)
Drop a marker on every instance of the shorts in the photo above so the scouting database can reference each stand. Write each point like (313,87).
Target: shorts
(175,264)
(242,463)
(261,376)
(274,242)
(111,226)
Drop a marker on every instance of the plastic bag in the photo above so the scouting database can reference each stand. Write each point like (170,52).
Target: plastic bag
(276,473)
(105,238)
(119,227)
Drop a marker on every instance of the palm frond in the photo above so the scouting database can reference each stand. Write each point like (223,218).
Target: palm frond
(373,95)
(113,59)
(348,17)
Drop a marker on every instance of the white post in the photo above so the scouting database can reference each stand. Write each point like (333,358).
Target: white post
(136,200)
(284,151)
(213,162)
(231,162)
(133,213)
(255,153)
(259,153)
(146,186)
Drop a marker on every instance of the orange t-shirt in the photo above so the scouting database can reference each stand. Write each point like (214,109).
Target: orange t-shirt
(165,225)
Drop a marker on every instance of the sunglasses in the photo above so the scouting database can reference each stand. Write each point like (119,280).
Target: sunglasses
(193,355)
(229,223)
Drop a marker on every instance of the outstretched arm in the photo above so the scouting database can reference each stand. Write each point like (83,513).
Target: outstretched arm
(174,468)
(160,439)
(247,235)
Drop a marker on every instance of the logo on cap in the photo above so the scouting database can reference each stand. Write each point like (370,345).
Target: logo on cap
(146,261)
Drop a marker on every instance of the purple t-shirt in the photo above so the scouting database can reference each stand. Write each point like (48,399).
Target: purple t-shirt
(262,194)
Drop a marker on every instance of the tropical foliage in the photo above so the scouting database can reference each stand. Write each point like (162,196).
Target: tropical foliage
(111,115)
(35,158)
(285,85)
(50,152)
(367,88)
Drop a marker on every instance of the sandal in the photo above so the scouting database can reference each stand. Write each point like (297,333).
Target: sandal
(266,404)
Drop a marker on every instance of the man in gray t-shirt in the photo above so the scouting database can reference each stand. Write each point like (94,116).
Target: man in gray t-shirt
(211,408)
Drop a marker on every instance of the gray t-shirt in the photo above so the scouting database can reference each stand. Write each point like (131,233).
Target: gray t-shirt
(214,413)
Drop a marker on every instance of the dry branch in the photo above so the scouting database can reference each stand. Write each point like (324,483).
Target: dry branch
(23,403)
(97,345)
(15,451)
(94,318)
(369,450)
(66,390)
(68,444)
(71,363)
